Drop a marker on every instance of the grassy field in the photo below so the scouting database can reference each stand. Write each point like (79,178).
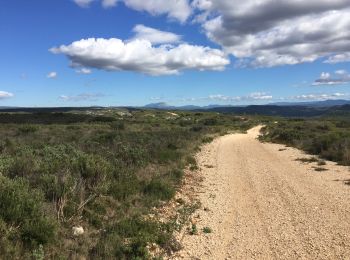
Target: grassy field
(103,170)
(327,137)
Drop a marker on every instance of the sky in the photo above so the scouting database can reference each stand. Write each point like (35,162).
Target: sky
(200,52)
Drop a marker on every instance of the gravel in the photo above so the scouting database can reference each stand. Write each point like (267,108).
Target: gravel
(262,204)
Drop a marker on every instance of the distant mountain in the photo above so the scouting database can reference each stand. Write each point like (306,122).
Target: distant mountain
(324,103)
(160,105)
(5,107)
(165,106)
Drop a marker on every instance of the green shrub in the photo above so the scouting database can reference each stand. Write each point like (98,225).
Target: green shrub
(210,121)
(160,189)
(22,206)
(27,129)
(207,139)
(330,139)
(193,230)
(176,175)
(118,126)
(139,234)
(207,230)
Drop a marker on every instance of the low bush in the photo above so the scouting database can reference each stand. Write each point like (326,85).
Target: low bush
(22,208)
(160,189)
(328,138)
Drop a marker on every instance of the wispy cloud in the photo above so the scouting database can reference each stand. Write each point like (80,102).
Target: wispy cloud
(179,10)
(83,71)
(82,97)
(320,96)
(109,3)
(5,95)
(156,98)
(52,75)
(338,58)
(155,36)
(83,3)
(255,96)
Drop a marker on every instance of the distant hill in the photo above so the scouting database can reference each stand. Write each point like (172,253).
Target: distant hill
(324,103)
(287,109)
(312,109)
(271,110)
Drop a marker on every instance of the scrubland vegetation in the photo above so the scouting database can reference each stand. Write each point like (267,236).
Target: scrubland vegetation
(106,170)
(103,170)
(326,137)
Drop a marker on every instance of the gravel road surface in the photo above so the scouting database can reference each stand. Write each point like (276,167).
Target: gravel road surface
(260,203)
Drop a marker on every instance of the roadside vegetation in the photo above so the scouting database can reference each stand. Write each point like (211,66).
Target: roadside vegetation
(326,137)
(99,171)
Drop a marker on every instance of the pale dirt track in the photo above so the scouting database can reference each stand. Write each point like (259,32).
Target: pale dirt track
(262,204)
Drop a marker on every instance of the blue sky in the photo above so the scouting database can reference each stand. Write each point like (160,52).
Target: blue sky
(175,51)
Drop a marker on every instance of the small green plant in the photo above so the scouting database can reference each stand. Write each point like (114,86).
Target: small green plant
(160,189)
(193,230)
(321,163)
(307,160)
(38,253)
(192,163)
(207,139)
(207,230)
(320,169)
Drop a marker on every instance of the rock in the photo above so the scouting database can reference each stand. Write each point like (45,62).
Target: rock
(78,230)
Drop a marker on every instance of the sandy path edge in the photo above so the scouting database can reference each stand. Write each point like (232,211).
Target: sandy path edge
(262,204)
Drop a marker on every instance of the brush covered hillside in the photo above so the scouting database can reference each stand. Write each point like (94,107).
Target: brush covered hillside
(81,183)
(286,111)
(298,109)
(327,137)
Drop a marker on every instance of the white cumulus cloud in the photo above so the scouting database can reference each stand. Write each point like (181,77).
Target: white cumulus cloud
(268,33)
(341,77)
(141,56)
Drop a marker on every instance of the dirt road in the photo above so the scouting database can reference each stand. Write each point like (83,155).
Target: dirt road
(262,204)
